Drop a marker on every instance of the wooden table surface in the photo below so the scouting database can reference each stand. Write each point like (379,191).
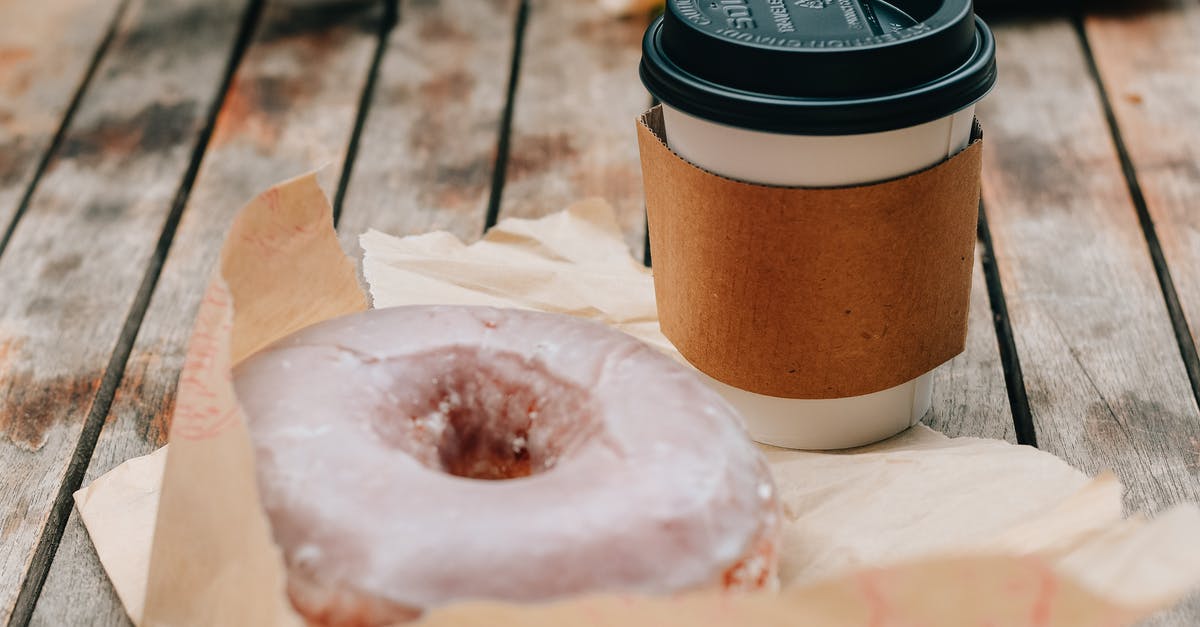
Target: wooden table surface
(132,130)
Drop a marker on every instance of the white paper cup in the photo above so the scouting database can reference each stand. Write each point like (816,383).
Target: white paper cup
(819,94)
(821,161)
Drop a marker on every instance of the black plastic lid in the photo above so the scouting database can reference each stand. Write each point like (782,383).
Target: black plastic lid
(819,67)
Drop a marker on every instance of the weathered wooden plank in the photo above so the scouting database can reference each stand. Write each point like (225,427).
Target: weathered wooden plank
(573,133)
(969,395)
(77,259)
(92,600)
(1149,61)
(1105,381)
(290,108)
(46,49)
(428,150)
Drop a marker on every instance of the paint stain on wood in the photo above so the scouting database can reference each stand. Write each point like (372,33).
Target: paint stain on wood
(428,133)
(255,108)
(16,73)
(1030,162)
(12,57)
(14,518)
(9,347)
(59,268)
(19,82)
(31,407)
(533,154)
(158,428)
(156,128)
(277,94)
(1129,419)
(156,31)
(447,183)
(43,305)
(239,117)
(101,211)
(16,160)
(456,185)
(145,398)
(394,93)
(440,29)
(447,88)
(319,19)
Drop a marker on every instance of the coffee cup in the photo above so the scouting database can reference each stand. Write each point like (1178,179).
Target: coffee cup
(818,94)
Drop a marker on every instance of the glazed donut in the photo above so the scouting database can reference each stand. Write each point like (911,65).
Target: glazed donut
(418,456)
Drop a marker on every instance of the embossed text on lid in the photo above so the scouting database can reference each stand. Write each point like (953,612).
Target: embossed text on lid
(740,61)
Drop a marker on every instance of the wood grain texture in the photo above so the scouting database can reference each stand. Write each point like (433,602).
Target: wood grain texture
(77,259)
(573,127)
(291,108)
(1106,384)
(46,49)
(428,151)
(1148,57)
(969,394)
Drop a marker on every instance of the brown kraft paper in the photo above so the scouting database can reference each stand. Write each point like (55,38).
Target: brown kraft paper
(213,561)
(811,293)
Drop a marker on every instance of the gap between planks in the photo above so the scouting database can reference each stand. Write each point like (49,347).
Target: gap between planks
(391,15)
(68,115)
(35,576)
(1010,361)
(1183,334)
(499,172)
(428,147)
(571,134)
(1098,354)
(322,57)
(1152,132)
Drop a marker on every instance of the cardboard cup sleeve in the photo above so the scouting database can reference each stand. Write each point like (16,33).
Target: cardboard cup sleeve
(811,293)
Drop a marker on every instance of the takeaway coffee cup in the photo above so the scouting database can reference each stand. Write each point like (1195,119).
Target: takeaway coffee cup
(817,94)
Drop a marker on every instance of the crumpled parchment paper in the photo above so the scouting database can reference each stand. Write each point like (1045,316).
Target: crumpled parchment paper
(920,529)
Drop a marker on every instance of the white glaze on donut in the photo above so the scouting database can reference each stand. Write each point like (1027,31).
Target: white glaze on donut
(622,471)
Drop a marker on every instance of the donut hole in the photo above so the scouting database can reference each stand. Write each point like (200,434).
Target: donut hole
(492,417)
